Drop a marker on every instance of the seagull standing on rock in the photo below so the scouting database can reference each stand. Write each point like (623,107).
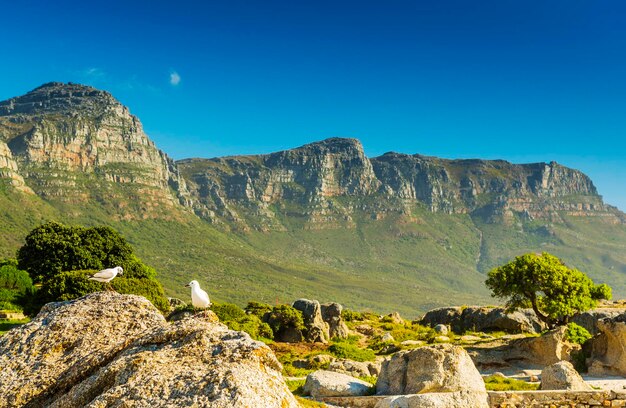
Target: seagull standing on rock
(107,275)
(199,298)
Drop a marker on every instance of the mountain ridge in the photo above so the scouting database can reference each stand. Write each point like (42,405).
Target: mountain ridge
(392,232)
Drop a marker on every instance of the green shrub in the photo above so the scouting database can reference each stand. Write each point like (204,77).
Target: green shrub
(228,311)
(351,315)
(351,351)
(236,319)
(283,317)
(258,309)
(577,334)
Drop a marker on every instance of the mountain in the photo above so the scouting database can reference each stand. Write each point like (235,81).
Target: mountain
(395,232)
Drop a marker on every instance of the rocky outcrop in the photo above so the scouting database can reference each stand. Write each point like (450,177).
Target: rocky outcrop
(331,314)
(439,368)
(589,319)
(526,352)
(245,190)
(109,349)
(445,374)
(332,384)
(485,319)
(316,330)
(608,348)
(74,143)
(562,376)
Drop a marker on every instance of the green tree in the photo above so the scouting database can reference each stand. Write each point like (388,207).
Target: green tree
(543,282)
(61,258)
(15,284)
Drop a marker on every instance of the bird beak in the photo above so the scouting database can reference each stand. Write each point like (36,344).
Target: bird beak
(187,286)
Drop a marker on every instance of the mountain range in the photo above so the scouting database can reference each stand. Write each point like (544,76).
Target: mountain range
(394,232)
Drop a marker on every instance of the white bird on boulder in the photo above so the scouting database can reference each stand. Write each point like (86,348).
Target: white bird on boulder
(106,275)
(199,298)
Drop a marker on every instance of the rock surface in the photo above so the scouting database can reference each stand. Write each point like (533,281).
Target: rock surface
(316,330)
(324,383)
(439,368)
(107,349)
(476,318)
(608,348)
(562,376)
(524,352)
(331,314)
(459,399)
(92,148)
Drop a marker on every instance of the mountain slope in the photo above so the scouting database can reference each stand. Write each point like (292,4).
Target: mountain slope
(395,232)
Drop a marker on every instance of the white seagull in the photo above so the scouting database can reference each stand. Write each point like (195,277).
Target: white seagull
(199,298)
(106,275)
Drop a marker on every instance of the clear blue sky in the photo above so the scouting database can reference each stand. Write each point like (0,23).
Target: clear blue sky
(518,80)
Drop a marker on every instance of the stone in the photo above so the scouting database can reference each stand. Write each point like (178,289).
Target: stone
(470,339)
(316,330)
(589,319)
(608,348)
(459,399)
(562,376)
(525,352)
(438,368)
(412,343)
(393,318)
(441,329)
(108,349)
(476,318)
(175,303)
(387,337)
(324,383)
(442,339)
(322,359)
(331,314)
(353,368)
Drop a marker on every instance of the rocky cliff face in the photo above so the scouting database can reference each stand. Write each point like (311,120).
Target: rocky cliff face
(327,183)
(73,143)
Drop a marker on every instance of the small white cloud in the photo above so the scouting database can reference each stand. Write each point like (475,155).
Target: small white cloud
(174,78)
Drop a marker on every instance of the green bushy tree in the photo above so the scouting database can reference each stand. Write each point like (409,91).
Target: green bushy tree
(554,291)
(61,258)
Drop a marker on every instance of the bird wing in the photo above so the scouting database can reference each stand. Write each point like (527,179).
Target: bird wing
(105,274)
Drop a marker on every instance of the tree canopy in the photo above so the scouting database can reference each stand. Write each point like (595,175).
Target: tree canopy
(61,258)
(543,282)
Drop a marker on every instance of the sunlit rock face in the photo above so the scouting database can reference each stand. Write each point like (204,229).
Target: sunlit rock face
(74,143)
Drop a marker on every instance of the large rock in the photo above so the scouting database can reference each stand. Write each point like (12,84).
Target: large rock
(324,383)
(589,320)
(331,314)
(526,352)
(439,368)
(316,330)
(562,376)
(475,318)
(608,349)
(107,349)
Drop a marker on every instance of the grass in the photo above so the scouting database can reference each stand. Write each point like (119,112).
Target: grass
(6,325)
(307,403)
(497,383)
